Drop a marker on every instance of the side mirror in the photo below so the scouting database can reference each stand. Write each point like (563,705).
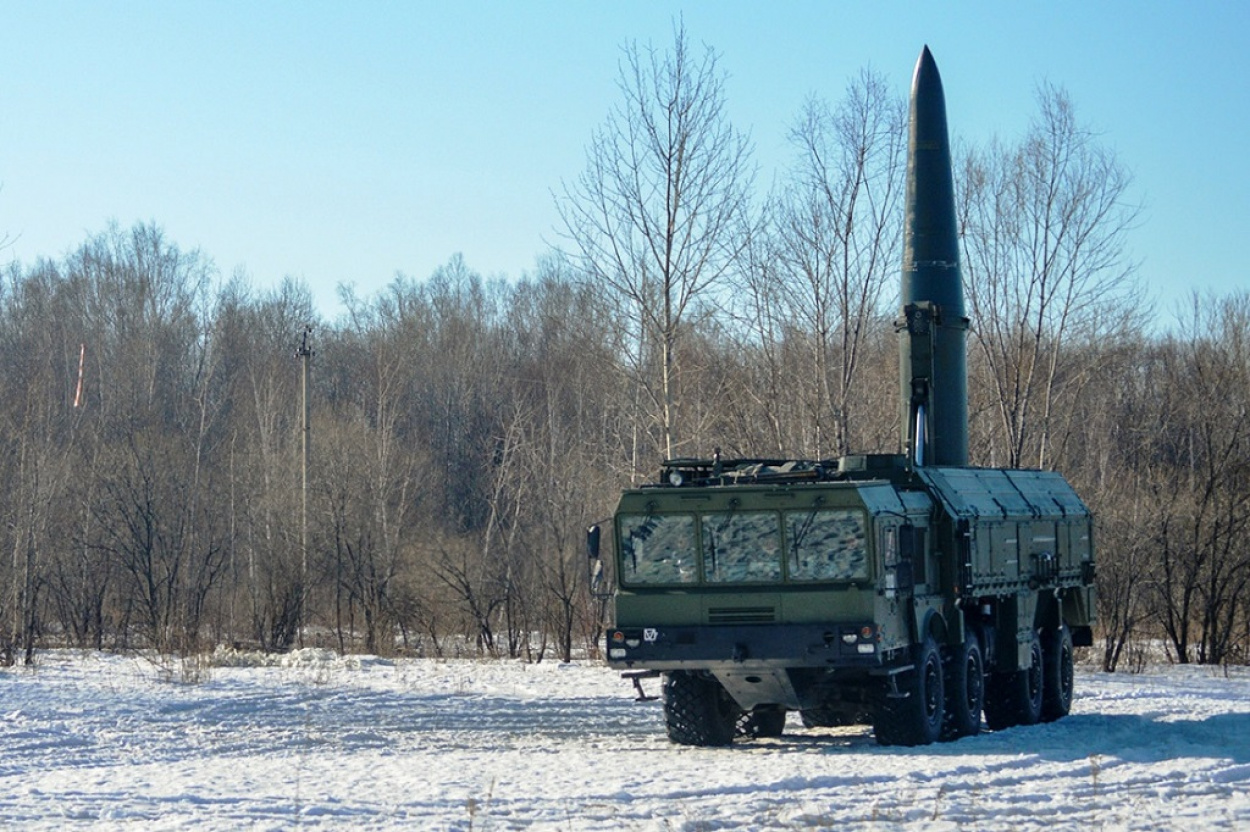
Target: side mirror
(592,542)
(594,563)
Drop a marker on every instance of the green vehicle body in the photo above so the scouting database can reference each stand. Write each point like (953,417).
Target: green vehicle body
(808,586)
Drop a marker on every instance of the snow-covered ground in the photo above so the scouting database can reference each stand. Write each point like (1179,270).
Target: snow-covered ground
(99,741)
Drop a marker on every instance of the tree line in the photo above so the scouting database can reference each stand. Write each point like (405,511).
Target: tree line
(465,431)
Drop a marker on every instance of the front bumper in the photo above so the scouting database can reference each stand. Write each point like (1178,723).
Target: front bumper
(763,646)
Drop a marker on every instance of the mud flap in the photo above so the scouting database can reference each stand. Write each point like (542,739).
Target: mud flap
(891,675)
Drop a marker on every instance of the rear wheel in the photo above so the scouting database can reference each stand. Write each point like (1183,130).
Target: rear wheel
(1015,698)
(965,690)
(1057,674)
(915,717)
(698,710)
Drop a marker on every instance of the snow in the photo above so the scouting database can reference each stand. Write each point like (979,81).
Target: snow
(312,740)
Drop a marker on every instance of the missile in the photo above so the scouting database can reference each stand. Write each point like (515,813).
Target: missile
(933,330)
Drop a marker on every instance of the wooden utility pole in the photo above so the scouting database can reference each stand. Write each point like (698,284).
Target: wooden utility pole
(304,354)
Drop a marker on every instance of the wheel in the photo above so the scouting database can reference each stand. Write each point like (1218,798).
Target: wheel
(764,721)
(915,718)
(1056,674)
(697,710)
(1015,698)
(1031,708)
(965,690)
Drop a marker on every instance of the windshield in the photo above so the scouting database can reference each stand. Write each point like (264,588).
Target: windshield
(826,545)
(740,547)
(658,549)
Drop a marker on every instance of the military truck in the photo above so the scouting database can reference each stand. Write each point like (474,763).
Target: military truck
(907,591)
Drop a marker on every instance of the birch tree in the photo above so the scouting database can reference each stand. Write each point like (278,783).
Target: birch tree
(657,217)
(1044,227)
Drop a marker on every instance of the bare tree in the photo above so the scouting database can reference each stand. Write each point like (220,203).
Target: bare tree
(1200,464)
(37,433)
(564,473)
(158,528)
(1044,227)
(836,241)
(658,216)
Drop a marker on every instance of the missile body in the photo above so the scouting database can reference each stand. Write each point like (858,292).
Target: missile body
(933,331)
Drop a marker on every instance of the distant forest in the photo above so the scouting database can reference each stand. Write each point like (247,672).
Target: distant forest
(464,432)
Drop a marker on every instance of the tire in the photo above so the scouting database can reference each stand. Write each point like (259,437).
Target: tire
(915,718)
(697,710)
(1015,698)
(965,690)
(1057,683)
(765,721)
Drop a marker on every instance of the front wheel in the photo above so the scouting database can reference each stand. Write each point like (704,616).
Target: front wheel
(698,710)
(913,715)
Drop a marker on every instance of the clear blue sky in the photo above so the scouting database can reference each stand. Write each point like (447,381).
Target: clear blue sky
(343,142)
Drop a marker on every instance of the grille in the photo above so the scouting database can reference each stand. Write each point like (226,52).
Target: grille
(741,615)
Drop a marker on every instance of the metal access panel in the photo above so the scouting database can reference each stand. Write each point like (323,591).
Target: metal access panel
(1029,529)
(1004,493)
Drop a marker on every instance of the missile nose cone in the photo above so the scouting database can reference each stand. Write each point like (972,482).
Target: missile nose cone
(931,244)
(926,67)
(928,104)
